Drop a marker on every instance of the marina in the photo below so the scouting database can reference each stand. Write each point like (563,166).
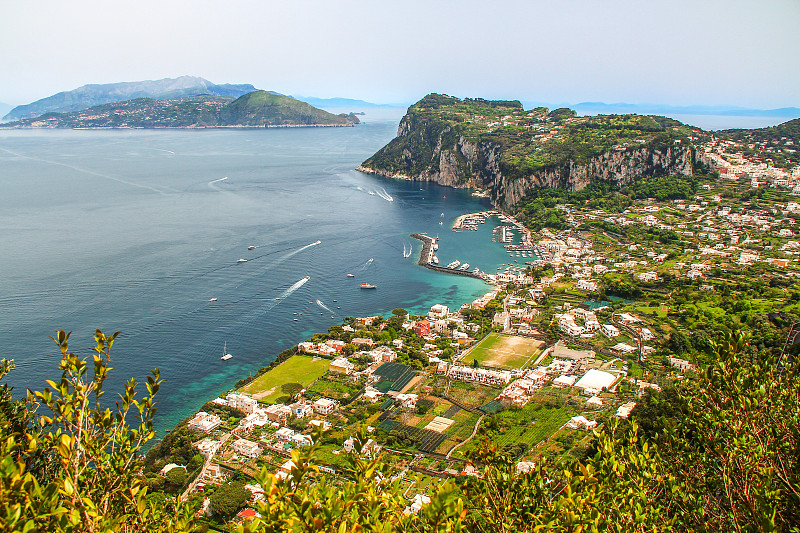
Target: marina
(426,259)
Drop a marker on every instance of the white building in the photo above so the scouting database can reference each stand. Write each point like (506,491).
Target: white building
(325,406)
(609,330)
(242,402)
(438,311)
(246,448)
(341,365)
(596,380)
(205,422)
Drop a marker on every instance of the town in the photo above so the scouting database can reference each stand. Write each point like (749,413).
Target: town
(583,323)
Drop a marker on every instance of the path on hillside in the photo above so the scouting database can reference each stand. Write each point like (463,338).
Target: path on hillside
(194,482)
(474,431)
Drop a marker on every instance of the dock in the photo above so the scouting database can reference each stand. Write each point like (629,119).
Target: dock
(426,257)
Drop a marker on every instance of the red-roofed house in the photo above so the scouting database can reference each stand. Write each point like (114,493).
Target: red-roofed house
(422,328)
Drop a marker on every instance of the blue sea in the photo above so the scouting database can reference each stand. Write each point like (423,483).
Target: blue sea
(138,231)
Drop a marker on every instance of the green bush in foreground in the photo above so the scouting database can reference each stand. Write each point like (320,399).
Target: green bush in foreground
(724,457)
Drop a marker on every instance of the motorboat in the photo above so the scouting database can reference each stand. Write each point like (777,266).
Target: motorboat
(368,286)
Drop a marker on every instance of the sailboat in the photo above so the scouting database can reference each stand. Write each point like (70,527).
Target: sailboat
(225,354)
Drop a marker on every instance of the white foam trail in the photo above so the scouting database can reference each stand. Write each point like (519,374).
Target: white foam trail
(385,195)
(294,287)
(325,307)
(211,183)
(85,171)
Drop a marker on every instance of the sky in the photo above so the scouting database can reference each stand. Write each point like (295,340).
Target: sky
(675,52)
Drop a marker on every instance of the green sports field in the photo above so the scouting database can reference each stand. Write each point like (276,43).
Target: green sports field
(504,351)
(300,369)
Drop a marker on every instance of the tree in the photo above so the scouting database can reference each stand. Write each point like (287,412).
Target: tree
(175,479)
(228,499)
(95,484)
(399,312)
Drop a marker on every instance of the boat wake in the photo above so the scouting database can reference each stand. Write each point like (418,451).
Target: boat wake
(211,183)
(294,287)
(325,307)
(407,250)
(383,194)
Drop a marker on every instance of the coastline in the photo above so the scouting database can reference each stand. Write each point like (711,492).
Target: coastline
(232,127)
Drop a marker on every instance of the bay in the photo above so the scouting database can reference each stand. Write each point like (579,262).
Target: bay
(138,230)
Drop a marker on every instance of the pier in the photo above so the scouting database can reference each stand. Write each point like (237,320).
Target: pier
(426,257)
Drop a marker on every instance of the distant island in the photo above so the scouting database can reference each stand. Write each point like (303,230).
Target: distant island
(96,94)
(253,109)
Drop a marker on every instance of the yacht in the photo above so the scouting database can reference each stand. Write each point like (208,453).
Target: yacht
(368,286)
(225,354)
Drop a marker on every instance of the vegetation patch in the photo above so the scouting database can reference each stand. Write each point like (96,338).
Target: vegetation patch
(297,369)
(504,351)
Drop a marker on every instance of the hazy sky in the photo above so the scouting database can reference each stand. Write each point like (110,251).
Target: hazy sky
(557,51)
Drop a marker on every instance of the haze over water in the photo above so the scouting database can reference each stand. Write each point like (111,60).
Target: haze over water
(137,230)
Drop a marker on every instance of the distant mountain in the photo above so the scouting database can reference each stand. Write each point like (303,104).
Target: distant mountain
(660,109)
(96,94)
(339,102)
(255,109)
(5,108)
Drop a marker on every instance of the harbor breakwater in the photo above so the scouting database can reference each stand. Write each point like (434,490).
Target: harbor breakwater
(426,258)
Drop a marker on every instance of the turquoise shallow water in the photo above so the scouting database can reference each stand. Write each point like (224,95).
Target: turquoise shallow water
(137,230)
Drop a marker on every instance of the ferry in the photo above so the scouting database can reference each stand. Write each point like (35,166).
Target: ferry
(240,260)
(368,286)
(225,354)
(251,247)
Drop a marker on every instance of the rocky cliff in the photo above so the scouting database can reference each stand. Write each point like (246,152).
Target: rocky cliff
(509,152)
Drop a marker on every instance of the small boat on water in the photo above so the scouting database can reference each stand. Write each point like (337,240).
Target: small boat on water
(317,242)
(368,286)
(251,247)
(351,275)
(240,260)
(212,299)
(225,354)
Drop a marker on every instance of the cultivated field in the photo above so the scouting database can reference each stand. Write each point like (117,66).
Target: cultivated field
(504,351)
(297,369)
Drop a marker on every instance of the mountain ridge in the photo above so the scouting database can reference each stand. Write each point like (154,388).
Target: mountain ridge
(91,95)
(254,109)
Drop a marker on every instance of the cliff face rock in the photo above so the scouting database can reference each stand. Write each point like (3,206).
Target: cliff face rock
(437,150)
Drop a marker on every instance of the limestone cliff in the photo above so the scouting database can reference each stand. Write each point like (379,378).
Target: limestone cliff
(508,151)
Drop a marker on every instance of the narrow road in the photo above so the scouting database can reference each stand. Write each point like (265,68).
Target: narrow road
(194,482)
(474,431)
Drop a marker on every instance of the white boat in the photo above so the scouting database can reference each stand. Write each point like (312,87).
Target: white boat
(251,247)
(212,299)
(317,242)
(225,354)
(351,275)
(368,286)
(240,260)
(435,260)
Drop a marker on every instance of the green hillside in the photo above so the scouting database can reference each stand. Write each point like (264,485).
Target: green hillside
(260,108)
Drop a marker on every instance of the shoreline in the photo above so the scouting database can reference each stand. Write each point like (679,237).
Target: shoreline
(232,127)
